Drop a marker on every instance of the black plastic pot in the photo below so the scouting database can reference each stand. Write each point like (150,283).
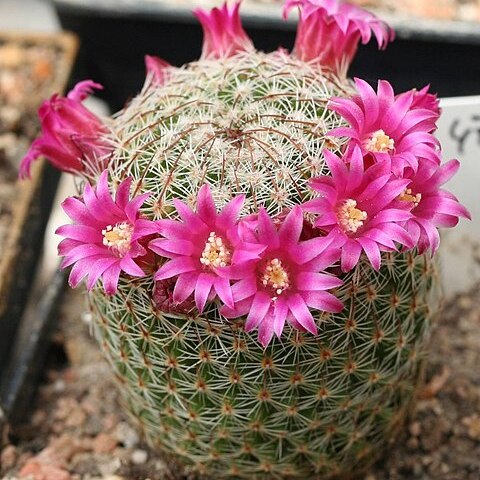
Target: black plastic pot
(115,37)
(23,371)
(24,338)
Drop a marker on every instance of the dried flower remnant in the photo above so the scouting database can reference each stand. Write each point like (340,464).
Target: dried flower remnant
(162,298)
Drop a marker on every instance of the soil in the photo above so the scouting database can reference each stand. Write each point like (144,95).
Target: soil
(77,430)
(28,70)
(7,194)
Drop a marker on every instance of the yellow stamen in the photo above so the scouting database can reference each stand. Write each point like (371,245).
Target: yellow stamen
(275,276)
(350,217)
(215,253)
(380,142)
(408,196)
(118,237)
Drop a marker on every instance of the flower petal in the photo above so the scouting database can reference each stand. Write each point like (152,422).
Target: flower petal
(260,306)
(175,267)
(302,314)
(202,290)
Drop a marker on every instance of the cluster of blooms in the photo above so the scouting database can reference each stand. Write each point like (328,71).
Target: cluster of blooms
(383,193)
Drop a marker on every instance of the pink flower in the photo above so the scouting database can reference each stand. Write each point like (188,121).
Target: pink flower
(285,282)
(223,32)
(356,207)
(158,69)
(386,126)
(105,236)
(430,206)
(70,132)
(329,32)
(204,249)
(427,101)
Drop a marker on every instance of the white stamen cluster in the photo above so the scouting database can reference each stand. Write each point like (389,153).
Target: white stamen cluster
(380,142)
(349,217)
(118,237)
(215,253)
(408,196)
(275,276)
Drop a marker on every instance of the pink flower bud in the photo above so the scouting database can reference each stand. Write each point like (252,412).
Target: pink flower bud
(158,68)
(223,32)
(71,134)
(329,32)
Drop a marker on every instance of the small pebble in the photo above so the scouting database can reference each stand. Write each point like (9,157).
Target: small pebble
(412,443)
(415,429)
(59,386)
(109,465)
(473,425)
(104,443)
(76,419)
(39,471)
(125,434)
(465,303)
(8,457)
(139,457)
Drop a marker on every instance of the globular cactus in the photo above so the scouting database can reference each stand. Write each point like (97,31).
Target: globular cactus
(264,191)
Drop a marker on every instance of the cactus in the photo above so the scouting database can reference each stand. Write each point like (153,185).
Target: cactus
(286,143)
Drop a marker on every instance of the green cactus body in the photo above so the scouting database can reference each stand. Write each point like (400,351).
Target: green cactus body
(202,389)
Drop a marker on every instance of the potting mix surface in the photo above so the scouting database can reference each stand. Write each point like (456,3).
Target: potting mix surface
(28,72)
(77,430)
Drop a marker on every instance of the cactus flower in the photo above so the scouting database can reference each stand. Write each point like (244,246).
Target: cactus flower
(71,134)
(105,236)
(158,68)
(430,206)
(223,32)
(386,126)
(329,32)
(427,101)
(356,206)
(286,281)
(204,249)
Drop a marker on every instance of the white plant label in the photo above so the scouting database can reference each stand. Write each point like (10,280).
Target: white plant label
(459,134)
